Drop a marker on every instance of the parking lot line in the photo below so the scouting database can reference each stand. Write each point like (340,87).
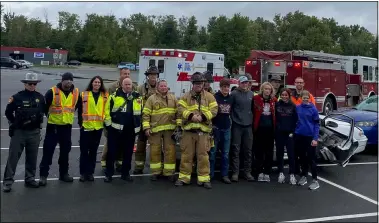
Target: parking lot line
(42,128)
(349,164)
(7,148)
(347,190)
(340,217)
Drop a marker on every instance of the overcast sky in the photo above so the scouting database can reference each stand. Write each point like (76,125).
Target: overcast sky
(345,13)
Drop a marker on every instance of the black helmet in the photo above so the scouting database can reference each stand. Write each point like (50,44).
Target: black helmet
(197,77)
(31,78)
(208,76)
(152,70)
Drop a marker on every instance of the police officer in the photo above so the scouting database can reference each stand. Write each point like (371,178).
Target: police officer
(145,90)
(61,102)
(25,115)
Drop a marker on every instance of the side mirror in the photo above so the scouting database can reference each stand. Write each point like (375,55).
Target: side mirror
(331,124)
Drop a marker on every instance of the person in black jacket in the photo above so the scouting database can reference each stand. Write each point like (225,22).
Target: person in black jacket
(286,119)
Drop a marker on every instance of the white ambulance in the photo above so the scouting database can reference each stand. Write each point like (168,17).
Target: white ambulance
(176,66)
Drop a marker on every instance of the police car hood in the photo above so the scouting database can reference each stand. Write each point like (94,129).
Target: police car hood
(59,85)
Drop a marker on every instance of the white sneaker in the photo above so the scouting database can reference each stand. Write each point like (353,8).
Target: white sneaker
(292,179)
(314,185)
(303,181)
(281,178)
(266,178)
(261,177)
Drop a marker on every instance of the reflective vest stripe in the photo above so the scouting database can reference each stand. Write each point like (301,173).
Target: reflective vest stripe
(92,117)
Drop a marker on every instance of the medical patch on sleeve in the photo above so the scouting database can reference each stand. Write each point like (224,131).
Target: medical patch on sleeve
(10,100)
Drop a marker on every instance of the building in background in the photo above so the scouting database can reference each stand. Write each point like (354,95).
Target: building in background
(37,56)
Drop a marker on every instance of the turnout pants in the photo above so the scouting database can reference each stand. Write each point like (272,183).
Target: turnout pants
(89,143)
(119,154)
(264,149)
(28,139)
(140,154)
(194,143)
(242,137)
(56,134)
(169,152)
(307,155)
(120,140)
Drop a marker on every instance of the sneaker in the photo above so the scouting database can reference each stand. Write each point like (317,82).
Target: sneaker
(249,177)
(292,179)
(314,185)
(261,177)
(31,184)
(207,185)
(82,178)
(281,178)
(266,178)
(302,181)
(235,177)
(7,188)
(226,180)
(66,178)
(42,181)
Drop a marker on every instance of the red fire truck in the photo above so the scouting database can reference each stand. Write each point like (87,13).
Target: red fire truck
(334,80)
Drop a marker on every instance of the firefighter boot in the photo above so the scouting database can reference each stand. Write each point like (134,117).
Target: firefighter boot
(206,185)
(140,157)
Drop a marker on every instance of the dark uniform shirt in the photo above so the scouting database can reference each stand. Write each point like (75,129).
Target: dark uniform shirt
(25,110)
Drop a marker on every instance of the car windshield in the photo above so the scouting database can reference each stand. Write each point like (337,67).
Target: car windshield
(370,104)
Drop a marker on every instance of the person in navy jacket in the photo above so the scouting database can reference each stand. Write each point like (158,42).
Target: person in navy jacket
(306,136)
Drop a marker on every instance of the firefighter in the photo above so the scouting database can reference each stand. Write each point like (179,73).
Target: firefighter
(124,73)
(208,80)
(145,90)
(61,102)
(159,120)
(197,108)
(125,106)
(91,116)
(25,115)
(276,82)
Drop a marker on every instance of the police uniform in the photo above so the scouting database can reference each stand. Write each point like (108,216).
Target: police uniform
(25,115)
(60,110)
(125,111)
(145,90)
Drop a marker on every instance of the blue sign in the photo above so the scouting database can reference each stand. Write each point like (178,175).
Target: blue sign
(187,67)
(180,66)
(39,55)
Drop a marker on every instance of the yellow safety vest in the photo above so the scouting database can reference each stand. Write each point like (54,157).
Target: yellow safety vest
(116,113)
(94,114)
(62,108)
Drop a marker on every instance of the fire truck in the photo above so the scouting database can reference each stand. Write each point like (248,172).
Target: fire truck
(334,80)
(176,66)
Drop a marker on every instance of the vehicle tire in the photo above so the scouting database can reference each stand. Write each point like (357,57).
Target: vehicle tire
(328,106)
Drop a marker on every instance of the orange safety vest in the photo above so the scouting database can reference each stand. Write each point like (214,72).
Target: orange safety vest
(94,114)
(62,108)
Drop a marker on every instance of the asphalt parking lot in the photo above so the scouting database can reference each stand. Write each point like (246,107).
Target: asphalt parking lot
(346,194)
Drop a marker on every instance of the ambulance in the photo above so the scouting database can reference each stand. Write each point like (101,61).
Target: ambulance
(176,66)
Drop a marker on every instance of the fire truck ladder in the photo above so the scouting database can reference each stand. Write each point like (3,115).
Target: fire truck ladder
(312,55)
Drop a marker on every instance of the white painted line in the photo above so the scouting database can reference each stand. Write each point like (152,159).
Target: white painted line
(55,147)
(331,218)
(347,190)
(42,128)
(349,164)
(43,116)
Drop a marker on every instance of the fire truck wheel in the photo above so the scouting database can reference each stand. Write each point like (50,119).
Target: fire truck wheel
(328,106)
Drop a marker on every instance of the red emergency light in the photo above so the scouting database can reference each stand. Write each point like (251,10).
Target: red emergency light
(277,64)
(297,64)
(248,62)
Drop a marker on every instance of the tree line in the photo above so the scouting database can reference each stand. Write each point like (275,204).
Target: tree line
(106,39)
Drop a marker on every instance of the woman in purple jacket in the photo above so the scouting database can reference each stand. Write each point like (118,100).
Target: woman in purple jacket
(306,136)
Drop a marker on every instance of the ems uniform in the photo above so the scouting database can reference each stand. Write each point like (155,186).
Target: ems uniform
(25,115)
(92,112)
(145,90)
(196,138)
(61,106)
(125,111)
(160,116)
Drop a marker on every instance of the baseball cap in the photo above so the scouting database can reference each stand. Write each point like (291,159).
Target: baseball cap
(243,79)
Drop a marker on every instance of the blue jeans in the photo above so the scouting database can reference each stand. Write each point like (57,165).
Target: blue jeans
(222,143)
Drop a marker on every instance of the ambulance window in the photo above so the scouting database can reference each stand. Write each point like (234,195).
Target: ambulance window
(370,73)
(376,73)
(365,73)
(161,66)
(210,67)
(151,62)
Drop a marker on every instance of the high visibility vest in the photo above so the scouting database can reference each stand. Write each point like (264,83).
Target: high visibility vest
(62,108)
(94,114)
(117,114)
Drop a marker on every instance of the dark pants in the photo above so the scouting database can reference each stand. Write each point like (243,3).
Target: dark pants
(307,155)
(28,139)
(242,137)
(264,150)
(56,134)
(89,143)
(282,139)
(120,140)
(222,143)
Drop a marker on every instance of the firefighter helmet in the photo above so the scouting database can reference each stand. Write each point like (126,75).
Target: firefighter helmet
(152,70)
(197,77)
(31,78)
(208,76)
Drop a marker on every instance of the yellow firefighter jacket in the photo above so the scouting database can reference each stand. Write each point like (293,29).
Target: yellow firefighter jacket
(146,90)
(160,113)
(203,104)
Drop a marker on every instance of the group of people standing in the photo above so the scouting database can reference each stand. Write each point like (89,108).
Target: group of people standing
(203,122)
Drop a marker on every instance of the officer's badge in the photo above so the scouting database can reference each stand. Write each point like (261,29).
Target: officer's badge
(10,100)
(37,100)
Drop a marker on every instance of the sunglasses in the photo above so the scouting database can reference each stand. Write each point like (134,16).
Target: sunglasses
(32,84)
